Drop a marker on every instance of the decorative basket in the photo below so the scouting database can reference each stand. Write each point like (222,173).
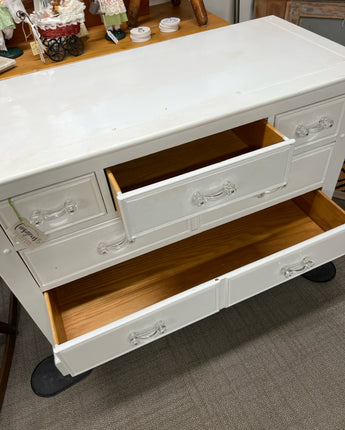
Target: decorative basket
(66,30)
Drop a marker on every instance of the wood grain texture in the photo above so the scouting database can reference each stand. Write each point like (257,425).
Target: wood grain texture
(269,7)
(322,210)
(199,11)
(108,295)
(133,13)
(115,189)
(57,324)
(295,10)
(96,45)
(192,155)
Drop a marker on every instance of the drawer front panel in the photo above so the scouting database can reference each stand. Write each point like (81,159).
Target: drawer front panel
(58,207)
(204,190)
(113,340)
(307,173)
(317,123)
(77,255)
(282,266)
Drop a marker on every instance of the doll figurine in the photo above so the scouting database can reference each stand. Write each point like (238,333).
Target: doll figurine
(8,18)
(6,29)
(113,13)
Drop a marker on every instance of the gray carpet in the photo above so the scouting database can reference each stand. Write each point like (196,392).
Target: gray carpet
(276,361)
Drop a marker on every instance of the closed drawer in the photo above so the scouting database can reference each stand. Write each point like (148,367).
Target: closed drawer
(110,312)
(79,254)
(316,124)
(199,177)
(58,208)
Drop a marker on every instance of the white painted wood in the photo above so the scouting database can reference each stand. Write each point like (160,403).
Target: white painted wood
(51,264)
(224,80)
(73,256)
(309,117)
(112,340)
(84,192)
(307,172)
(203,93)
(268,272)
(336,163)
(23,286)
(168,201)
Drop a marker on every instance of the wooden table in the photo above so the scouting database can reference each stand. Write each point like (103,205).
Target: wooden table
(96,45)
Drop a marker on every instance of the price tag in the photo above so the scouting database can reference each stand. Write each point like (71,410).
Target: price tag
(34,49)
(27,234)
(83,30)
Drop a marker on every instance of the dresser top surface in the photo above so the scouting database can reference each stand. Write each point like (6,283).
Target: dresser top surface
(80,110)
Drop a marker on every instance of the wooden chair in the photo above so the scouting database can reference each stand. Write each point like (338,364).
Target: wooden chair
(9,329)
(197,5)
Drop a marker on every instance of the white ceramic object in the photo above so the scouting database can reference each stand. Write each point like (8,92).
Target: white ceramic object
(140,34)
(168,25)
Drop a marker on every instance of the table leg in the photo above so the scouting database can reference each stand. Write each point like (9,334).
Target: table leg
(197,5)
(323,273)
(133,13)
(200,12)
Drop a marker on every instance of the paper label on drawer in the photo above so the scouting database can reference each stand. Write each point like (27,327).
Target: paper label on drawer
(27,234)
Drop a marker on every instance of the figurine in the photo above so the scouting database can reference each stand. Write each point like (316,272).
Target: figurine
(58,25)
(7,25)
(113,13)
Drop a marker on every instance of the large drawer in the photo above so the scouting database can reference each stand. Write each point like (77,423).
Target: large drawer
(142,313)
(58,208)
(109,313)
(199,177)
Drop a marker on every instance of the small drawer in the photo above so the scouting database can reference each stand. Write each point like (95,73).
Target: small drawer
(92,249)
(57,208)
(111,312)
(315,124)
(307,173)
(199,177)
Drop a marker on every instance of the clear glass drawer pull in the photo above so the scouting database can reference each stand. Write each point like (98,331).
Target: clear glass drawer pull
(271,191)
(324,123)
(200,199)
(38,217)
(104,248)
(297,269)
(136,338)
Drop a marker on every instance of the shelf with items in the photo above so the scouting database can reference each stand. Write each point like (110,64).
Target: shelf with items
(96,45)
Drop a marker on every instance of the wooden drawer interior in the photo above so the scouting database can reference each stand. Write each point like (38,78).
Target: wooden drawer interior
(98,299)
(192,156)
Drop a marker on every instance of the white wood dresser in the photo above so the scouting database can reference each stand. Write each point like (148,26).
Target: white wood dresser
(172,181)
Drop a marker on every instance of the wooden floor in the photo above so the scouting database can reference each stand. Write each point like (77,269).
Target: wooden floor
(96,45)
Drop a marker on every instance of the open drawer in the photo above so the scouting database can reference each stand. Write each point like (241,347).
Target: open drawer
(111,312)
(199,176)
